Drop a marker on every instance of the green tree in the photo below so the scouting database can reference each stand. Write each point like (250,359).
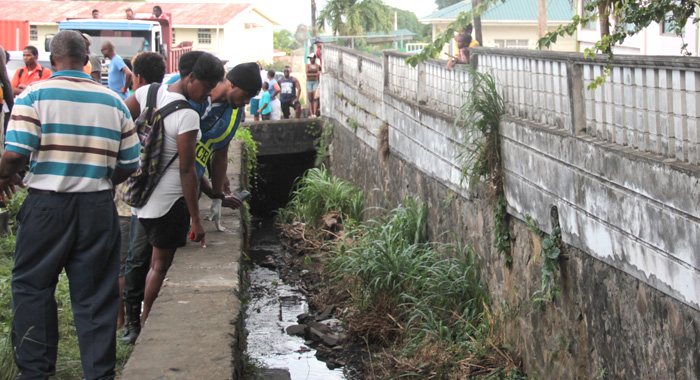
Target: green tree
(408,20)
(284,40)
(446,3)
(630,17)
(463,19)
(355,17)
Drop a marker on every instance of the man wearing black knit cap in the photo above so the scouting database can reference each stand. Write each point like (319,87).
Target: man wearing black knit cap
(219,124)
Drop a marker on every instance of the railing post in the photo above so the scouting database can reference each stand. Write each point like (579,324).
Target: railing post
(574,77)
(421,94)
(385,68)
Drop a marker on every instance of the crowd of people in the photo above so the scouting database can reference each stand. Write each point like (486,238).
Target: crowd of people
(73,142)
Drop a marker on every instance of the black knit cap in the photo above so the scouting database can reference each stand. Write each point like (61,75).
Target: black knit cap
(246,76)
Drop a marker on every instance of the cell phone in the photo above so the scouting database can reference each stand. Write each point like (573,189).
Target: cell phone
(243,195)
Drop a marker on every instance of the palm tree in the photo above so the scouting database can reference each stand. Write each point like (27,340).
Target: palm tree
(354,17)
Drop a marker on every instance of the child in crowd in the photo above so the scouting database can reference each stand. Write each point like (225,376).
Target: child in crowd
(265,109)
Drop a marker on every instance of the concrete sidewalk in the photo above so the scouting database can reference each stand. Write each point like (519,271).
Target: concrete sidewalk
(195,328)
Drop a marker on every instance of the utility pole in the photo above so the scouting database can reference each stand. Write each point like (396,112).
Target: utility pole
(313,19)
(541,17)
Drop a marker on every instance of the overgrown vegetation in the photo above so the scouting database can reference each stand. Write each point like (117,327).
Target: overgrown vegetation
(479,118)
(418,306)
(68,363)
(318,194)
(322,144)
(551,254)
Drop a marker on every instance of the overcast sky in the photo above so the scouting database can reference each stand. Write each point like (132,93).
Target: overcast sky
(291,13)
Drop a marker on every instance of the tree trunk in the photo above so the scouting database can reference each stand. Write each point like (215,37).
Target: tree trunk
(477,24)
(314,33)
(604,12)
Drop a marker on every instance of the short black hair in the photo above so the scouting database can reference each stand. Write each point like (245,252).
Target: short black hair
(158,8)
(32,50)
(69,45)
(95,10)
(204,66)
(150,65)
(271,73)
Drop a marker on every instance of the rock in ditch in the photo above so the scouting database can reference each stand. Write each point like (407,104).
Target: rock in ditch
(298,330)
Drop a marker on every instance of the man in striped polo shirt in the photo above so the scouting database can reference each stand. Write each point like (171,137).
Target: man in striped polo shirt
(80,141)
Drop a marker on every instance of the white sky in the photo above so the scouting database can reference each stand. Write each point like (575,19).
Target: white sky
(291,13)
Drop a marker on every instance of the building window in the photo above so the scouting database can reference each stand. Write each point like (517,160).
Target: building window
(516,44)
(669,26)
(593,24)
(204,36)
(173,37)
(33,33)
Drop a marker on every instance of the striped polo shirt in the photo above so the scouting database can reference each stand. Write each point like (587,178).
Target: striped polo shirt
(75,131)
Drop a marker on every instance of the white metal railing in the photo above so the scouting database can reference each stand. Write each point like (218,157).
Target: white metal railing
(402,78)
(534,89)
(649,104)
(653,110)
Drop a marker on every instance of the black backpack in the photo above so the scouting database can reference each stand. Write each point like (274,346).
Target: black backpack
(150,128)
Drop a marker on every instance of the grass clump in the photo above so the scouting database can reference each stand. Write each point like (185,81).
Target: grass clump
(317,194)
(423,300)
(418,306)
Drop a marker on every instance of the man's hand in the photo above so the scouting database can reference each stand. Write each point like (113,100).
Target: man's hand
(124,89)
(215,214)
(7,187)
(232,202)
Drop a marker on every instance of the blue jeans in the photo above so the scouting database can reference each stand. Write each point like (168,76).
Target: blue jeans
(138,261)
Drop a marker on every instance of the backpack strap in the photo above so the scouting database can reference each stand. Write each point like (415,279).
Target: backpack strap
(151,99)
(21,71)
(169,109)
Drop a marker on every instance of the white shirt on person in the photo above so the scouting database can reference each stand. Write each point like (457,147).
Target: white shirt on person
(169,189)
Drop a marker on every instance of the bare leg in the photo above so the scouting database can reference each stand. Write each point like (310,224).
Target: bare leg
(297,112)
(160,263)
(120,316)
(256,117)
(312,104)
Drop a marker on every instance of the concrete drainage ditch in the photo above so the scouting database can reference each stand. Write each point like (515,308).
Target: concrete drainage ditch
(273,309)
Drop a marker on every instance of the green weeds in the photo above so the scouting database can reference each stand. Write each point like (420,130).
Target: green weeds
(317,194)
(423,303)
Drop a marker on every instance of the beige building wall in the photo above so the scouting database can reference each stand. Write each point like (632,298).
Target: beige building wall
(190,33)
(249,38)
(502,31)
(42,31)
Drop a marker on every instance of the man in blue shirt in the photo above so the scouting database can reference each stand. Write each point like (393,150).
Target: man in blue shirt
(119,79)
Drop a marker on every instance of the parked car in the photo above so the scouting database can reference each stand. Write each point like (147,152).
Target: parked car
(17,62)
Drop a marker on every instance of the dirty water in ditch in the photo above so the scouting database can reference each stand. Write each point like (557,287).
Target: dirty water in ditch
(273,307)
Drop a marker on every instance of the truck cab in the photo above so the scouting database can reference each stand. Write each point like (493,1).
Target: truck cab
(129,37)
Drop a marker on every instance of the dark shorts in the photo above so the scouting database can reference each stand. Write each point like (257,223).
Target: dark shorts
(286,105)
(266,116)
(124,227)
(170,230)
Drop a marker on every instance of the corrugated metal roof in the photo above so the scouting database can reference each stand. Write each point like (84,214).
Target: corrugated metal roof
(193,13)
(557,10)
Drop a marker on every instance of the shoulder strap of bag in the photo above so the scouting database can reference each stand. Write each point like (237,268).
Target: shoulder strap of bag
(21,71)
(151,99)
(169,109)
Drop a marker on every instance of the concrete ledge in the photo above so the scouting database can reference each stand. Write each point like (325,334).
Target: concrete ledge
(195,328)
